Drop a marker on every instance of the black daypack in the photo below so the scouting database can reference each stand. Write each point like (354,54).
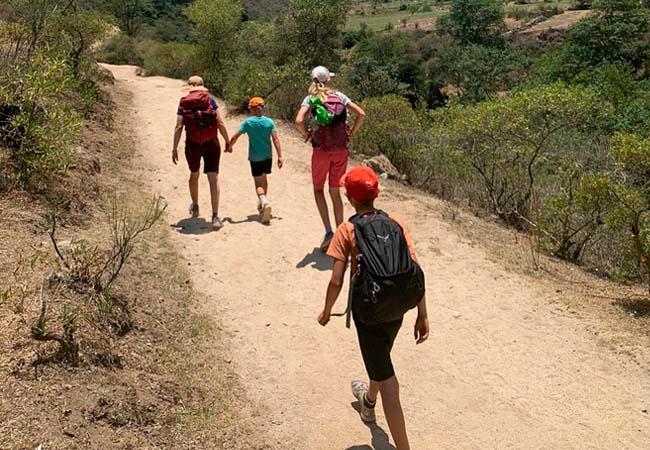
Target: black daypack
(388,282)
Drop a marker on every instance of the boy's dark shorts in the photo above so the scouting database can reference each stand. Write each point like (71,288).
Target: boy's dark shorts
(376,342)
(210,152)
(259,168)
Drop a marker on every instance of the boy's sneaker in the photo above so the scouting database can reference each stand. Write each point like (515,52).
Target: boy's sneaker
(265,213)
(194,210)
(326,241)
(217,224)
(359,390)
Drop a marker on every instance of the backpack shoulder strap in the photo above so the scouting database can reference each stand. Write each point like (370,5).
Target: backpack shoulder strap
(348,309)
(355,219)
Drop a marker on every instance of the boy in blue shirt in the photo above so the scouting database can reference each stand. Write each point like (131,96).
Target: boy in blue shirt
(261,131)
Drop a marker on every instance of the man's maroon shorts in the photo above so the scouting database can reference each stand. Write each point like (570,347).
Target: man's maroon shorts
(210,152)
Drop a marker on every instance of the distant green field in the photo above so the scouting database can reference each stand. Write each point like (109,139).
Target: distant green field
(379,22)
(389,14)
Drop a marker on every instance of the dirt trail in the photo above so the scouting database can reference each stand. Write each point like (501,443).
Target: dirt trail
(506,366)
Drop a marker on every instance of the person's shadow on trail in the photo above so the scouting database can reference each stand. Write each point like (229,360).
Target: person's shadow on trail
(249,218)
(379,437)
(316,260)
(196,225)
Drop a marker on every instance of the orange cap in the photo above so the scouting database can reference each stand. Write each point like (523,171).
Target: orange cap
(361,183)
(256,102)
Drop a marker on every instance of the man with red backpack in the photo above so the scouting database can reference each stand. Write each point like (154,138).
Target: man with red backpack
(329,135)
(198,114)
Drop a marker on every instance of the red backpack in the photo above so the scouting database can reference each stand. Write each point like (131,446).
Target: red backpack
(199,117)
(335,135)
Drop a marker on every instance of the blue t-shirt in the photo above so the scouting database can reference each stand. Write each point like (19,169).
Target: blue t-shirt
(259,131)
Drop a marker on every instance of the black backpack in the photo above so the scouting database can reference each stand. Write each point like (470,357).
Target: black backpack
(388,282)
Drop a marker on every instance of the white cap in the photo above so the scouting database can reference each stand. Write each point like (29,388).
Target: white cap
(321,74)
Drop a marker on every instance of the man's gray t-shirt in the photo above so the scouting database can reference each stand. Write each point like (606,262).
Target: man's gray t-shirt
(344,99)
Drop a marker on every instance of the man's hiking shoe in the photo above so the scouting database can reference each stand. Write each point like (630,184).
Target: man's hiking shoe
(326,241)
(265,213)
(217,224)
(367,412)
(194,210)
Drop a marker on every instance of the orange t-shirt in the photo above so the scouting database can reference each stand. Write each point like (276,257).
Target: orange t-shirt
(343,243)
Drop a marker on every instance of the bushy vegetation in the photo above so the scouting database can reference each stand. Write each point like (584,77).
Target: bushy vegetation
(48,84)
(552,139)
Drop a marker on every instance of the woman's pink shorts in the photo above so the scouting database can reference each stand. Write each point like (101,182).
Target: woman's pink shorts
(332,163)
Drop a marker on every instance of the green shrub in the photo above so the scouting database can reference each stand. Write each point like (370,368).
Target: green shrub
(516,144)
(120,49)
(392,129)
(169,59)
(283,87)
(43,127)
(630,191)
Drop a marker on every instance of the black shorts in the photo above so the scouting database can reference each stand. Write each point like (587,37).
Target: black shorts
(376,342)
(259,168)
(210,152)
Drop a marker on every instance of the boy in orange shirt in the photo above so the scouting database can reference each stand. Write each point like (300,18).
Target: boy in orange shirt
(376,337)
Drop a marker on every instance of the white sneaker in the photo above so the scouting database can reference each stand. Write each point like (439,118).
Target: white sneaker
(359,390)
(265,213)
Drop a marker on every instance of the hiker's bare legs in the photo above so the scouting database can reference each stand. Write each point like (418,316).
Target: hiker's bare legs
(321,203)
(213,179)
(194,186)
(373,391)
(393,410)
(337,203)
(261,185)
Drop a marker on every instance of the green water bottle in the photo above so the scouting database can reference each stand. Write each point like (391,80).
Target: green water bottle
(322,116)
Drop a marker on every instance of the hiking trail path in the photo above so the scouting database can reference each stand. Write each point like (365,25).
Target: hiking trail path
(506,366)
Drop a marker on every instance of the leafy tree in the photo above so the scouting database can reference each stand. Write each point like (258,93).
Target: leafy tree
(572,219)
(216,24)
(515,144)
(617,83)
(630,188)
(131,14)
(311,31)
(478,72)
(475,22)
(77,32)
(35,16)
(617,31)
(385,64)
(43,127)
(167,21)
(395,130)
